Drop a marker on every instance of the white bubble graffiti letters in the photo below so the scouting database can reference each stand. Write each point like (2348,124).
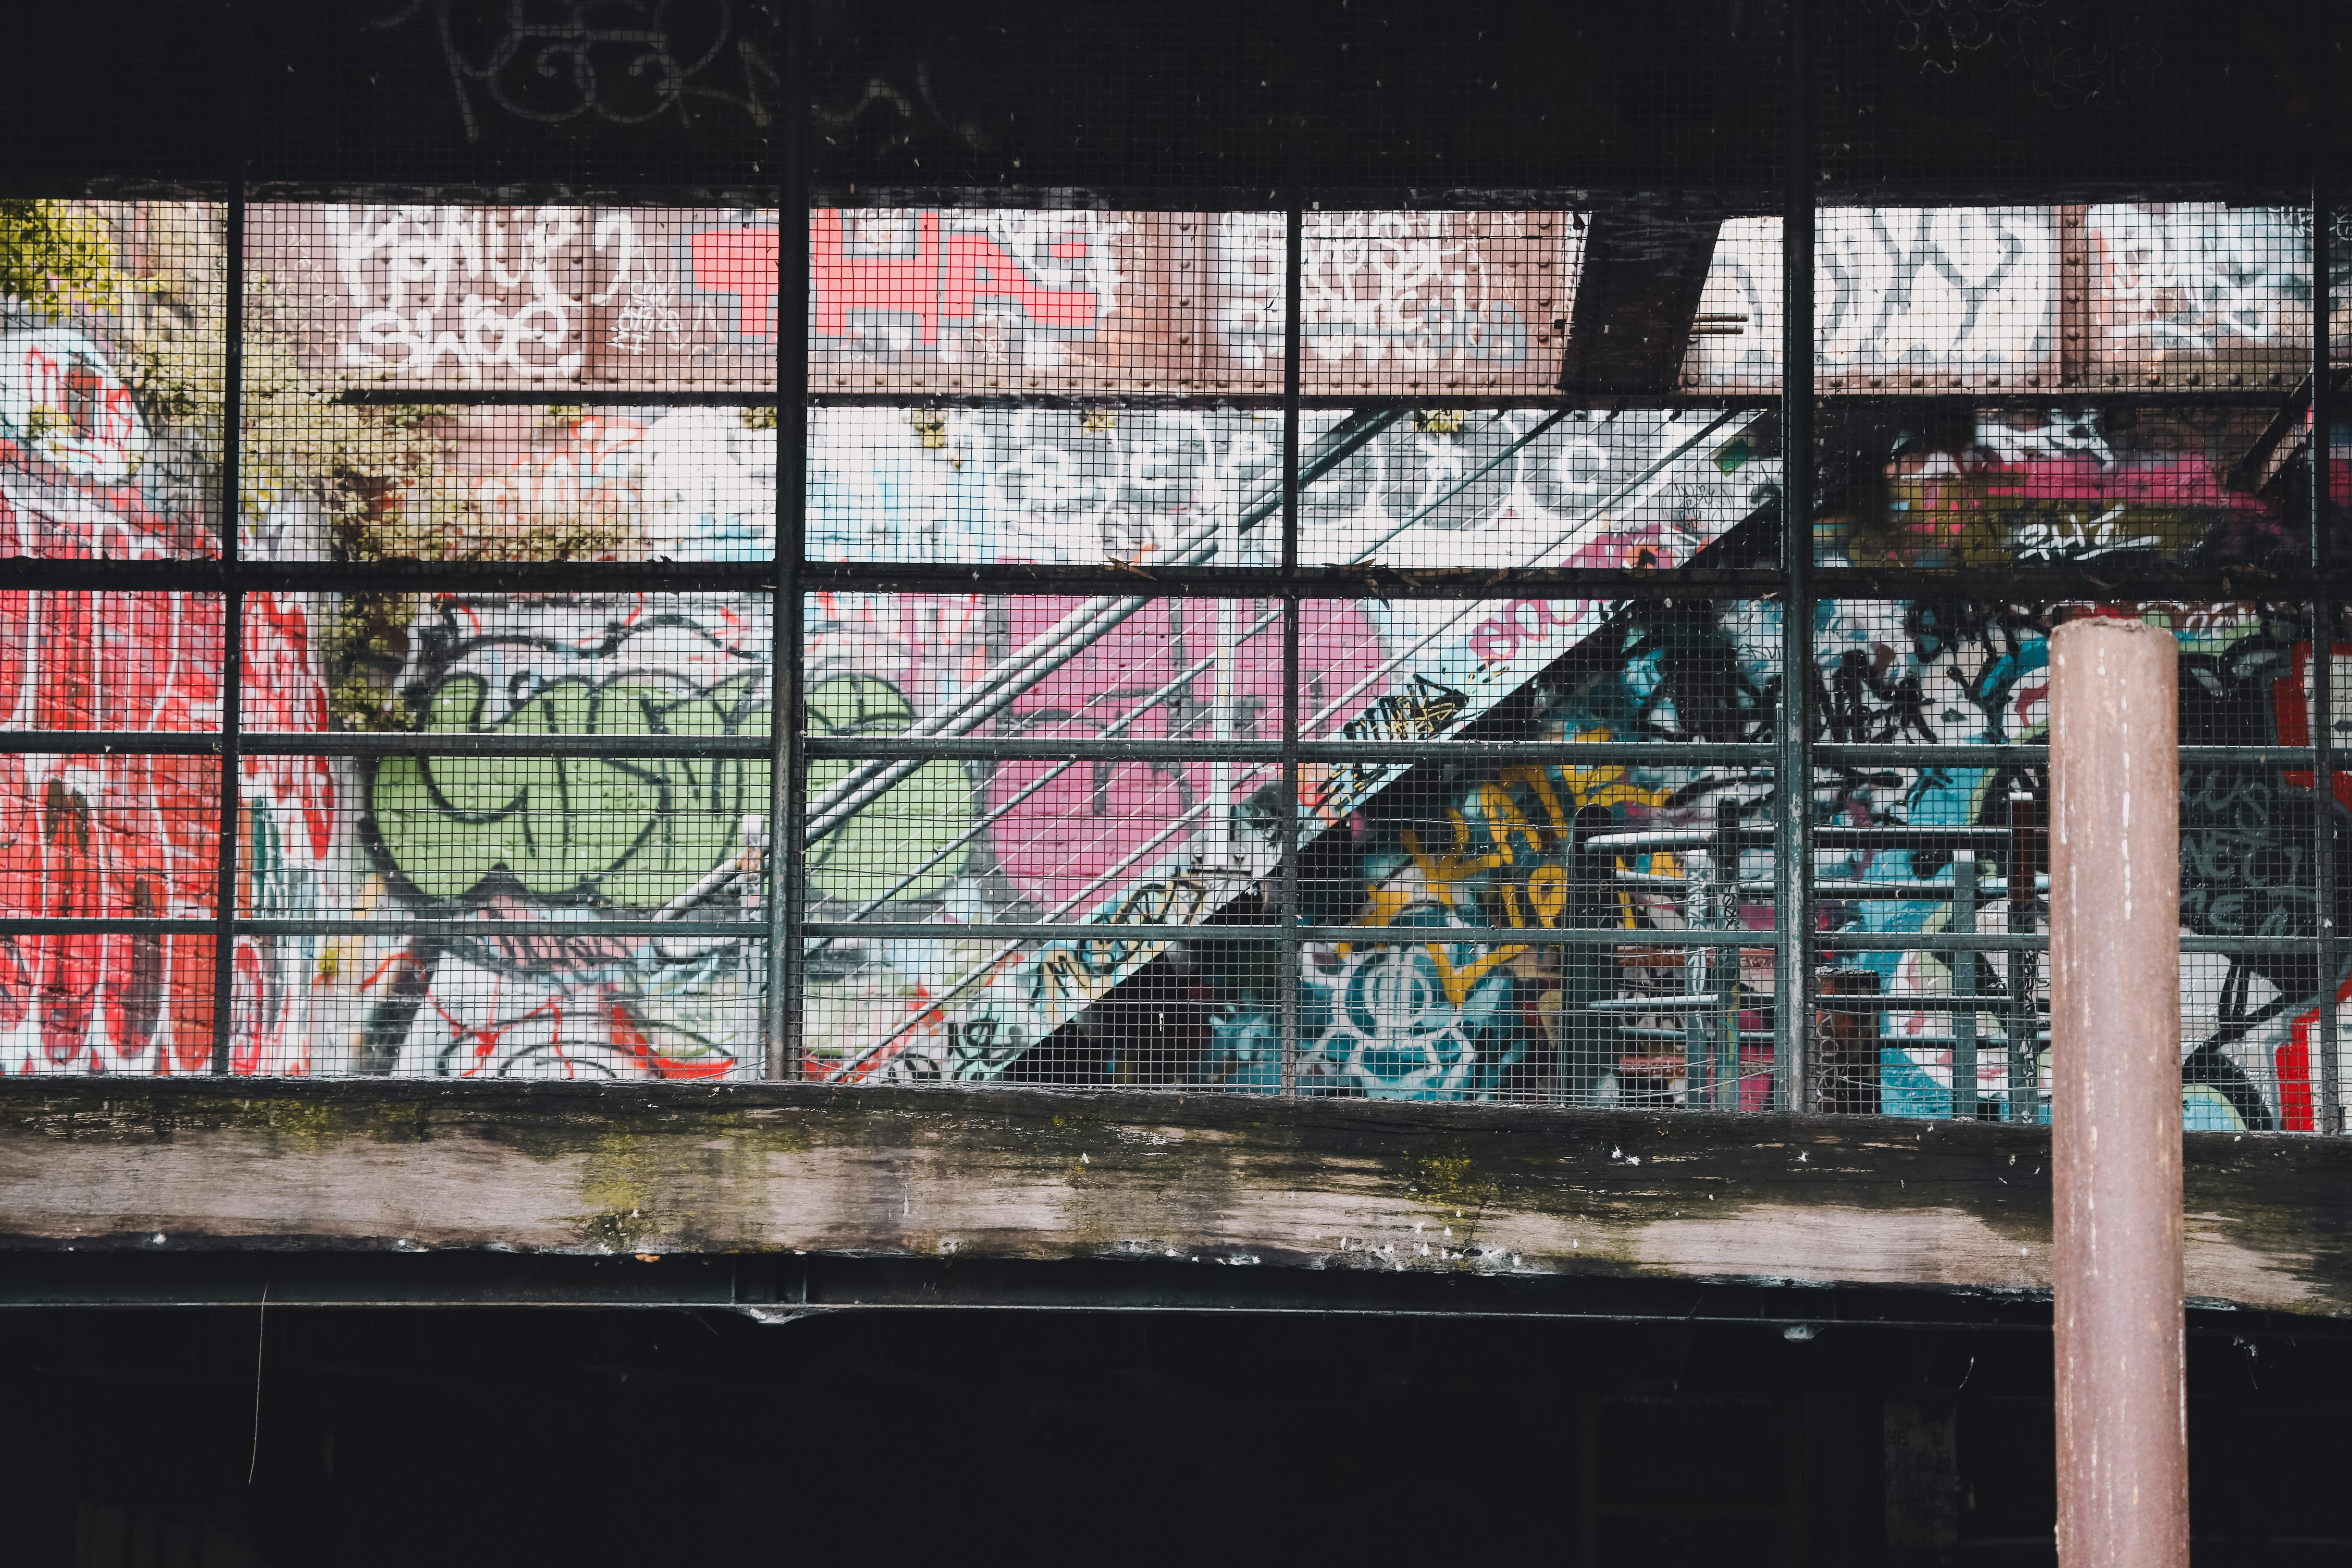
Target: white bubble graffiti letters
(478,288)
(60,397)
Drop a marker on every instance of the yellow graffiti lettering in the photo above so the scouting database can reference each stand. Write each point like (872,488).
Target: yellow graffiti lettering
(1457,983)
(1547,894)
(1538,779)
(1504,822)
(1607,785)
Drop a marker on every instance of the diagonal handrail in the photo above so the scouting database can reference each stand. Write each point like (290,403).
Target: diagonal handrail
(1632,489)
(1003,683)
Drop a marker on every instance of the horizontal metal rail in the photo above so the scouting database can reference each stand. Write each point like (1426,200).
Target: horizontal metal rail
(207,575)
(1361,936)
(913,396)
(1497,936)
(1662,402)
(386,743)
(2055,585)
(1013,931)
(1902,1003)
(585,930)
(1659,752)
(1989,1035)
(1841,887)
(1046,748)
(1640,840)
(1926,754)
(1909,891)
(1328,580)
(1894,754)
(2060,583)
(561,395)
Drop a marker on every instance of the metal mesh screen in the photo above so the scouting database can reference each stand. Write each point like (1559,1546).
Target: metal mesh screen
(1256,611)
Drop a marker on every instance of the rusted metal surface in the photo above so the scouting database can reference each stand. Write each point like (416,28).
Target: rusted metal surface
(2028,856)
(931,302)
(2116,1220)
(2074,296)
(916,301)
(1644,264)
(2001,299)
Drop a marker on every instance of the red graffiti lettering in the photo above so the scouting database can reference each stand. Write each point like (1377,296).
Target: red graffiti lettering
(106,835)
(890,285)
(945,279)
(741,262)
(1497,638)
(980,268)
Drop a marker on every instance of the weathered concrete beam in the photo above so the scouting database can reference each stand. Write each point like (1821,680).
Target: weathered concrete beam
(285,1165)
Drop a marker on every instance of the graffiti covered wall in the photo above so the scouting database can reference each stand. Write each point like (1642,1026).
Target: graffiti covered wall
(94,464)
(905,301)
(83,472)
(1969,299)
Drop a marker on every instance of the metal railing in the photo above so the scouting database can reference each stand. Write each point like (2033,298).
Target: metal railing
(797,820)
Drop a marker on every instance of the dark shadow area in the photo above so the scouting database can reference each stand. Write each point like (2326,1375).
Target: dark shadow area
(522,1437)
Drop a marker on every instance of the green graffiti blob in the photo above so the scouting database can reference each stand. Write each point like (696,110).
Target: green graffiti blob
(638,832)
(908,831)
(635,832)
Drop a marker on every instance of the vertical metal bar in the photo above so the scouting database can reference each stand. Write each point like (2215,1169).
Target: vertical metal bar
(1964,987)
(232,671)
(1586,968)
(2115,1190)
(2328,952)
(1287,980)
(1695,1059)
(1845,1044)
(1294,268)
(2026,843)
(1792,836)
(1698,896)
(2074,296)
(2326,613)
(787,753)
(1723,963)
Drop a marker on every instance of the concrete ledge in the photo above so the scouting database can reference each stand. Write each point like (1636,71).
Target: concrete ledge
(196,1165)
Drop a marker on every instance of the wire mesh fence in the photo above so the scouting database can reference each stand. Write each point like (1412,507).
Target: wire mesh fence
(1284,644)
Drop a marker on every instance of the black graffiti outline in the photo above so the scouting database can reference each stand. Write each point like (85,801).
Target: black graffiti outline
(1893,286)
(443,653)
(544,44)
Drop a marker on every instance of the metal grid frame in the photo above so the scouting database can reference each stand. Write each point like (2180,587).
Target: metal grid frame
(789,577)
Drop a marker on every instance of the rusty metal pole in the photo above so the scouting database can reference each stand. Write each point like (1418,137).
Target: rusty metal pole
(2114,911)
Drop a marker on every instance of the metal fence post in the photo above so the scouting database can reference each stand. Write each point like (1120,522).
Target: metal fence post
(787,751)
(232,671)
(2115,908)
(2327,611)
(1722,977)
(1964,987)
(1792,837)
(1286,978)
(2027,849)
